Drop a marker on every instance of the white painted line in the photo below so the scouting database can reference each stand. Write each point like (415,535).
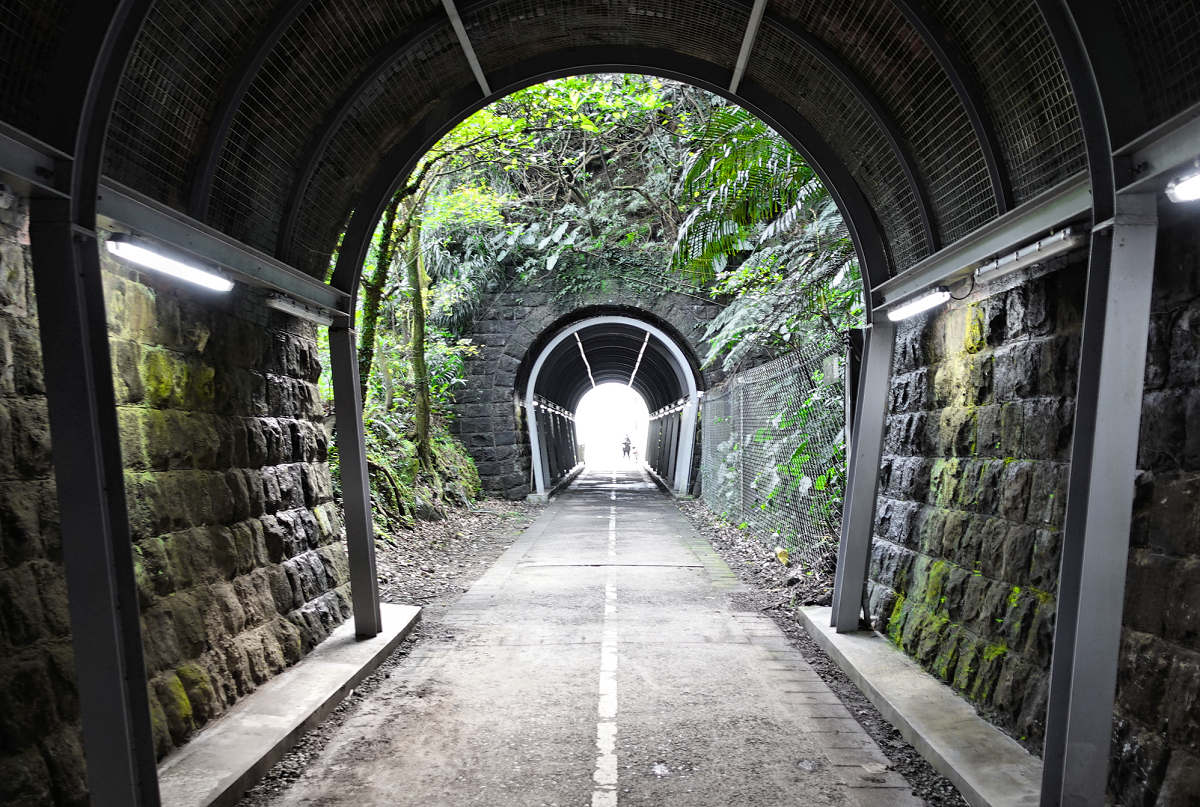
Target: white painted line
(605,775)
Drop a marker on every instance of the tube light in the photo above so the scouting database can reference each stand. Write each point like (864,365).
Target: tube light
(1185,188)
(297,309)
(144,255)
(931,299)
(1062,241)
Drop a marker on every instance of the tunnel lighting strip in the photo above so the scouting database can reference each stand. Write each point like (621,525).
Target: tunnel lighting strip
(586,363)
(743,59)
(931,299)
(1185,187)
(147,255)
(638,363)
(1062,241)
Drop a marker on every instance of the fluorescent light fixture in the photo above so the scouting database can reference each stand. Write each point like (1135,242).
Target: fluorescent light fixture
(297,309)
(930,299)
(145,255)
(1185,188)
(1063,241)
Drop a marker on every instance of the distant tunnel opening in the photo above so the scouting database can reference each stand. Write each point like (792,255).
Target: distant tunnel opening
(611,425)
(593,355)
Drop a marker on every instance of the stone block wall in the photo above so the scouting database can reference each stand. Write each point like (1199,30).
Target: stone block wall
(489,418)
(972,496)
(967,535)
(238,553)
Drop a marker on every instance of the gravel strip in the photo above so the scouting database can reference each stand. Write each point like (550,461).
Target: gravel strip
(778,590)
(431,566)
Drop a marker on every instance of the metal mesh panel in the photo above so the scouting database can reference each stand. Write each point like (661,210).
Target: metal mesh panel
(174,76)
(712,31)
(322,54)
(377,120)
(773,456)
(881,47)
(1026,92)
(30,31)
(1164,38)
(831,107)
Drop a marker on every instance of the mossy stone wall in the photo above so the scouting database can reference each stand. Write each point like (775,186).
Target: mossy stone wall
(972,497)
(968,524)
(237,540)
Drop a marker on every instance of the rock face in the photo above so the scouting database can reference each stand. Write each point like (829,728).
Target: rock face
(489,417)
(967,531)
(237,541)
(965,559)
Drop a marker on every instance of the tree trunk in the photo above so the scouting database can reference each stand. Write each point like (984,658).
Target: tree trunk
(373,296)
(416,282)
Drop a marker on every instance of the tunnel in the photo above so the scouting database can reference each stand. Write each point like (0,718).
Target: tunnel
(602,349)
(267,137)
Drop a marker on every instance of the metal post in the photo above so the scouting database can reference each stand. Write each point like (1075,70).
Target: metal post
(687,444)
(356,485)
(97,544)
(855,359)
(1083,672)
(543,475)
(858,518)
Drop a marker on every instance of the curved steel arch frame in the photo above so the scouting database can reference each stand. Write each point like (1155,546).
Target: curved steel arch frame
(1108,408)
(97,549)
(683,372)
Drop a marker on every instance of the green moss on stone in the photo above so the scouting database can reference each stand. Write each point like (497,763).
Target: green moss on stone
(896,621)
(975,338)
(994,651)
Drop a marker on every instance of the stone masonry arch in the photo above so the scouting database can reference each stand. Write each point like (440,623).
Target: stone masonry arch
(513,327)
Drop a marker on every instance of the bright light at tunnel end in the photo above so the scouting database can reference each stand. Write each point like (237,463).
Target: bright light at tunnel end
(143,254)
(931,299)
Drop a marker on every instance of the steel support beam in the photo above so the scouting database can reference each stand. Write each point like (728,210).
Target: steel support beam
(858,520)
(97,546)
(743,57)
(1063,203)
(89,477)
(123,209)
(1108,410)
(356,484)
(1095,552)
(464,42)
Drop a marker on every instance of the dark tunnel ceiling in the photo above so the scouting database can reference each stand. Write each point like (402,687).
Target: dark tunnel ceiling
(268,119)
(612,351)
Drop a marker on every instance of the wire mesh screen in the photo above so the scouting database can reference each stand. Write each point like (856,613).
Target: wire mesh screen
(773,453)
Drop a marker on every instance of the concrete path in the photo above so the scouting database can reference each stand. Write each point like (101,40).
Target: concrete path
(601,662)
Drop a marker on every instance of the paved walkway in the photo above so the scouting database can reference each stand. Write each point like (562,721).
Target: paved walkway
(600,662)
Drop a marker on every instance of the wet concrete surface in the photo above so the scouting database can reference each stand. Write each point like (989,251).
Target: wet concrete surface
(601,661)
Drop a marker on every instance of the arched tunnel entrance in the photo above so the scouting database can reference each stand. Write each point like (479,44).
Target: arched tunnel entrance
(607,348)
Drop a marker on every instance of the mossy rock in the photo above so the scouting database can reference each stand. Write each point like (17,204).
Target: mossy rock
(198,686)
(176,706)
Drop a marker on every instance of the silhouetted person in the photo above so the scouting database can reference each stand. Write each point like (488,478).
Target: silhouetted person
(625,446)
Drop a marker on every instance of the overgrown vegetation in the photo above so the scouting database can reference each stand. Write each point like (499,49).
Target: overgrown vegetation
(583,184)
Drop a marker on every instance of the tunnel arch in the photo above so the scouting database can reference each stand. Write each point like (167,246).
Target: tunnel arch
(562,370)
